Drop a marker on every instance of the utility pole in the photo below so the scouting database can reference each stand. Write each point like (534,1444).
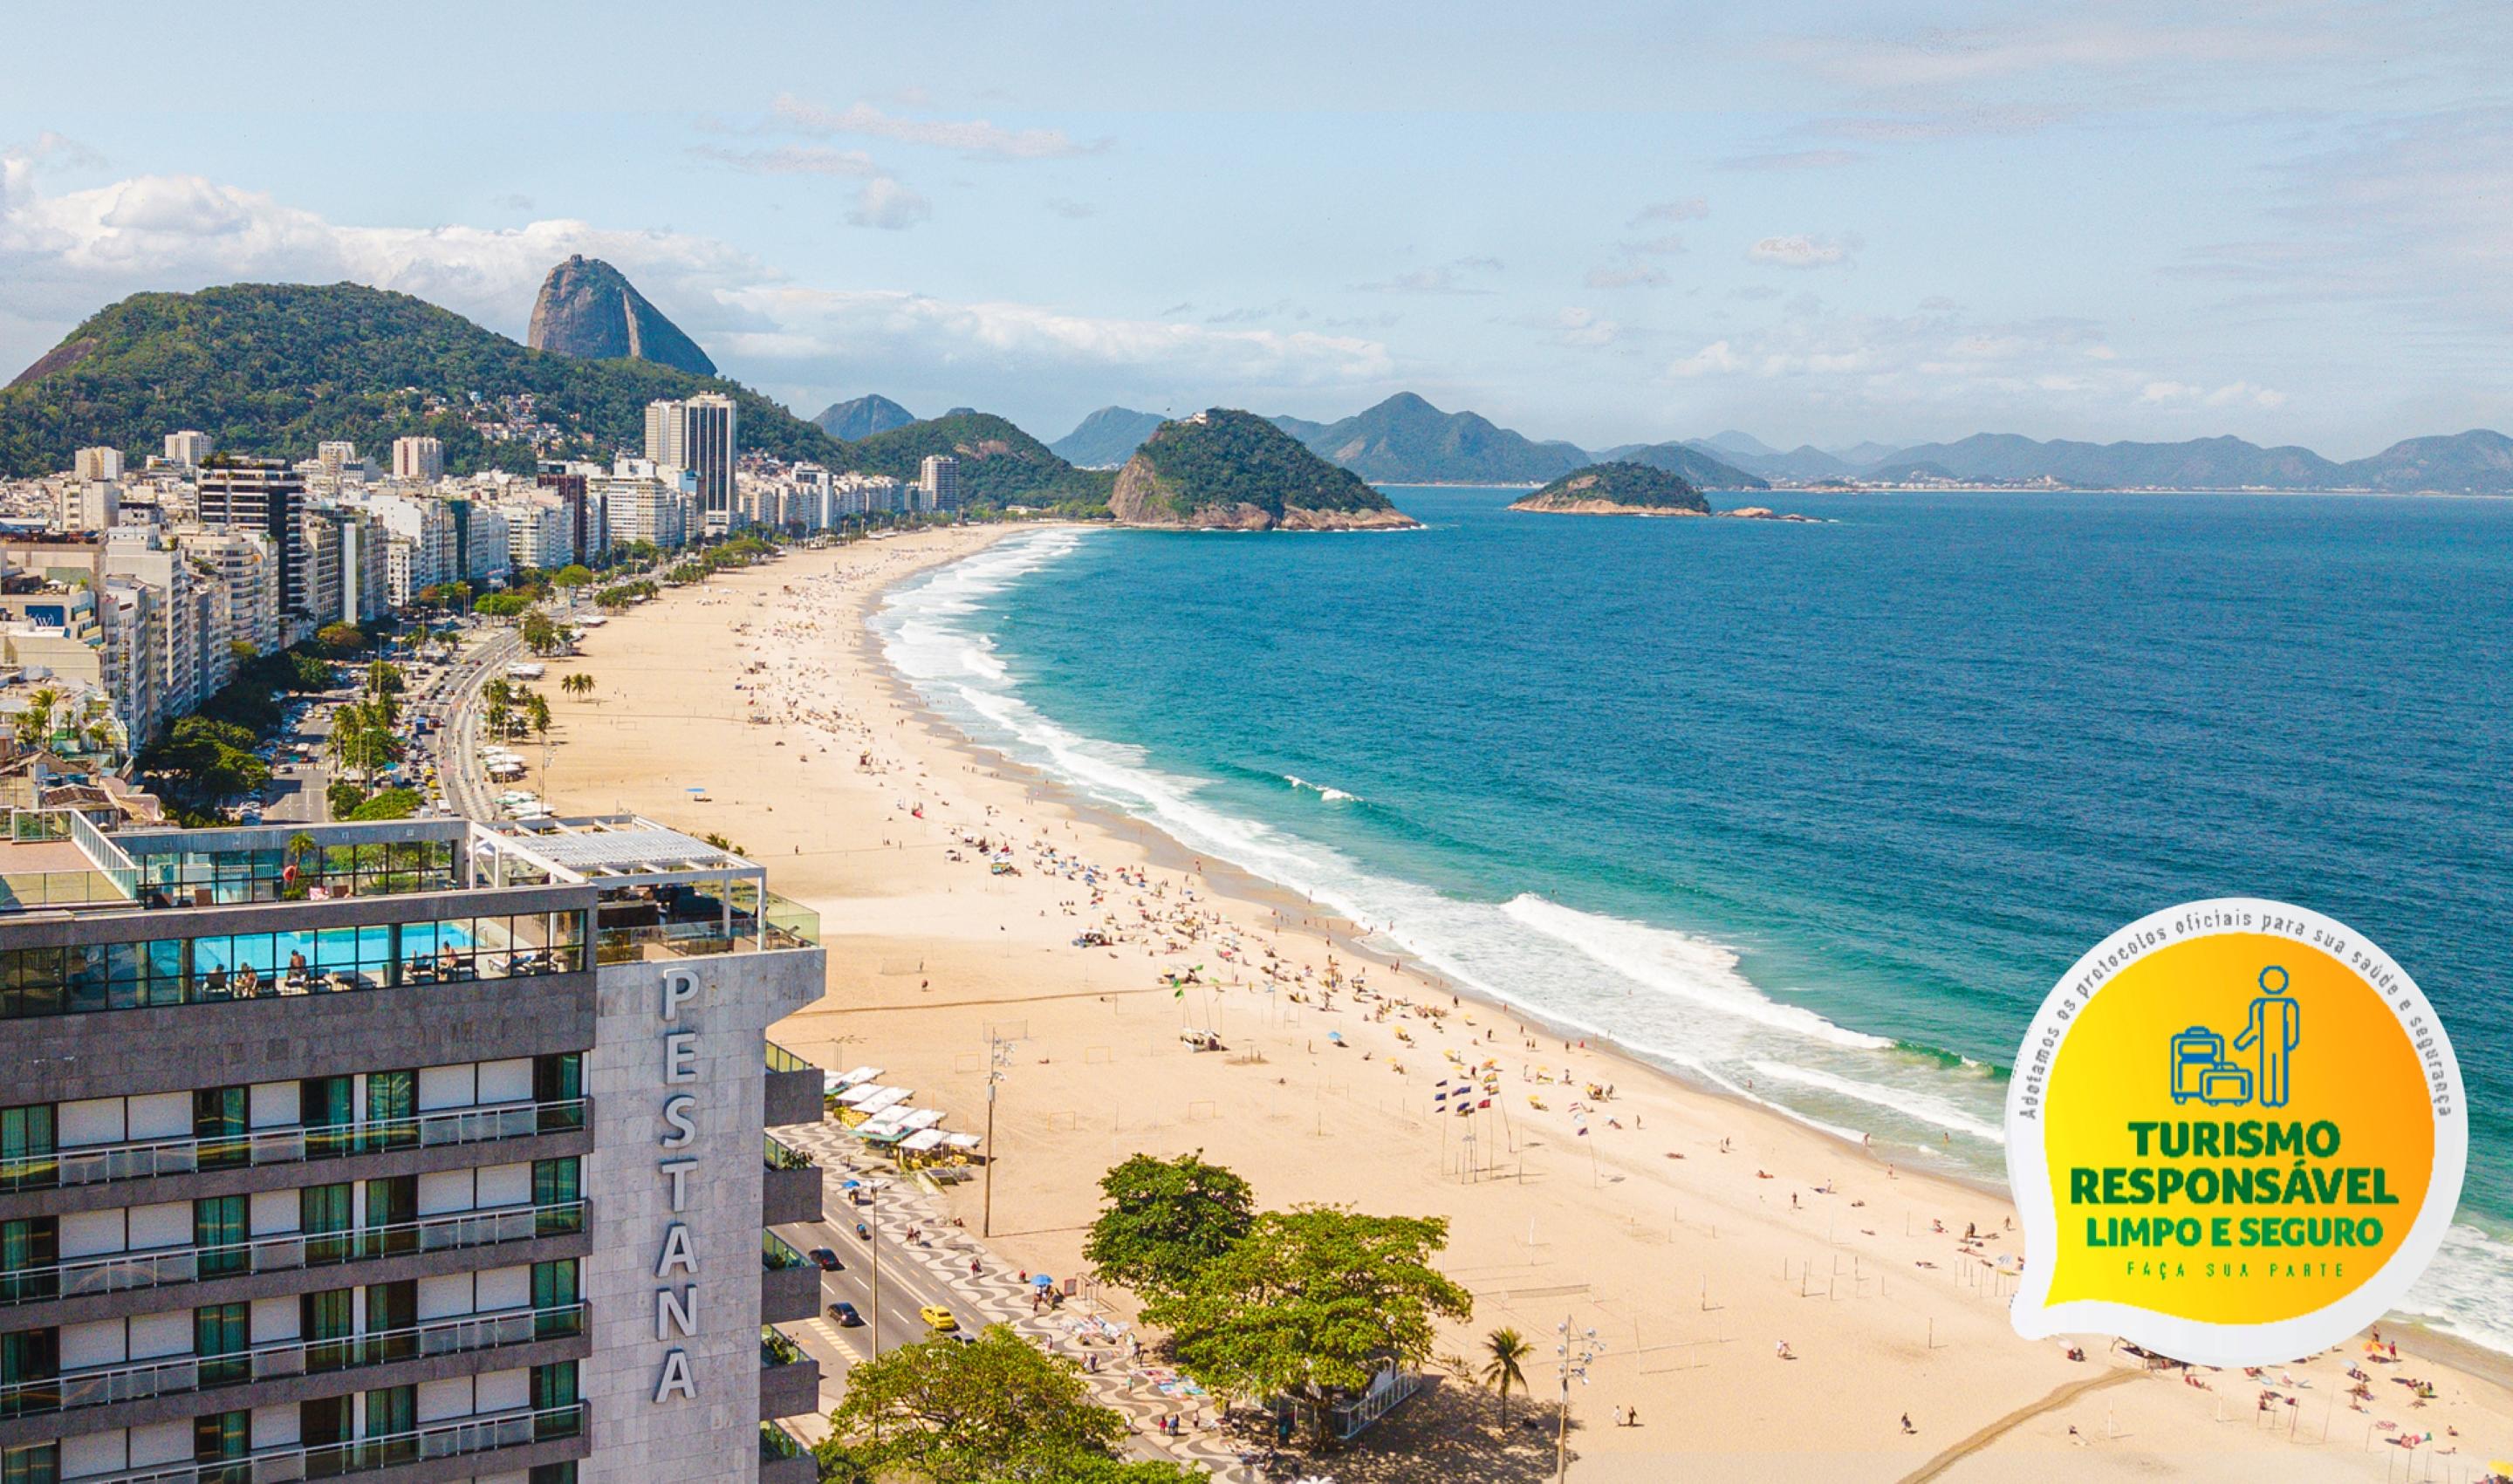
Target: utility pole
(997,1051)
(1578,1350)
(874,1227)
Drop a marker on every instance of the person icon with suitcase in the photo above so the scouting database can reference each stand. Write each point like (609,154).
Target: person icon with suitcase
(2275,1027)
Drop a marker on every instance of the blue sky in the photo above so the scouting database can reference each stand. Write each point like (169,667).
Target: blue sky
(2290,222)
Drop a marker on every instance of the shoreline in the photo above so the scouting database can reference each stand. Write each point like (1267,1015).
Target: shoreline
(1230,879)
(1651,1228)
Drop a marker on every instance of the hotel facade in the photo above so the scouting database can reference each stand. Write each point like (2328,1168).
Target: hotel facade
(412,1151)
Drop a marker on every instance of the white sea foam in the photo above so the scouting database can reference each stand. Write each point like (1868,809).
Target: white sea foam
(1677,964)
(1671,997)
(1924,1106)
(1331,796)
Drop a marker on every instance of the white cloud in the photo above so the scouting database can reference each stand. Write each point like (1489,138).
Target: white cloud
(2231,394)
(970,137)
(1801,252)
(1626,275)
(1689,209)
(885,204)
(1453,277)
(1071,209)
(64,257)
(794,160)
(1585,328)
(1713,359)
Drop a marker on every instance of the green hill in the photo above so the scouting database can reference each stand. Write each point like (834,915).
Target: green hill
(1236,471)
(272,369)
(1618,489)
(999,464)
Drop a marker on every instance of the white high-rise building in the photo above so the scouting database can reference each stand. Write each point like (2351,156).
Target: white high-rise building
(418,459)
(187,448)
(103,465)
(665,431)
(939,483)
(701,435)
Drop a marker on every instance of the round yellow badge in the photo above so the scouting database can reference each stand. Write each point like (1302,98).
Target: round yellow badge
(2235,1133)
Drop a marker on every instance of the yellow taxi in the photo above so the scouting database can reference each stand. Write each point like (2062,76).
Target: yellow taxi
(938,1319)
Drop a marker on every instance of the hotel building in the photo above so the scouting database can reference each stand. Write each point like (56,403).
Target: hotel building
(405,1152)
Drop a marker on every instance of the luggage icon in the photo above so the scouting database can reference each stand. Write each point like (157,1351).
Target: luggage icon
(2200,1070)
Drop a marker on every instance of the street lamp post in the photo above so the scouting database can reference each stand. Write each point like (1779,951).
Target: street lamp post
(1577,1351)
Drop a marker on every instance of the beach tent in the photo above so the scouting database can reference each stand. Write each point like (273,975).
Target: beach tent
(850,1078)
(854,1097)
(918,1117)
(921,1141)
(887,1098)
(962,1140)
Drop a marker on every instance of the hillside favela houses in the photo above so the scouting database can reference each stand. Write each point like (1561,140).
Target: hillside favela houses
(130,591)
(489,1198)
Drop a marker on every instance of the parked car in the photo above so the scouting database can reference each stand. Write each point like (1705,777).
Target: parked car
(827,1259)
(845,1314)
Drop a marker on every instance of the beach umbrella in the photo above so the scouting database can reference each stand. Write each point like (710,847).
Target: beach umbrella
(1041,1280)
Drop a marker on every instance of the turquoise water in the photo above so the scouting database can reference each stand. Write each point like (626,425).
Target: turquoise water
(1815,813)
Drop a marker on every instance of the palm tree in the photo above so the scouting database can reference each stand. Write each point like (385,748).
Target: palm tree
(1505,1349)
(35,723)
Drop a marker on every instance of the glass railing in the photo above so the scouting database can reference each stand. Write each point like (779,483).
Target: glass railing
(777,1444)
(460,1438)
(780,1060)
(694,930)
(179,1373)
(776,1254)
(297,1143)
(774,1349)
(780,1156)
(124,1270)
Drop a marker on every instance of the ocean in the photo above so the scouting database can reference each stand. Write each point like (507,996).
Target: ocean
(1809,813)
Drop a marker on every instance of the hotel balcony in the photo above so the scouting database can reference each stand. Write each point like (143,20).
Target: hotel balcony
(790,1192)
(789,1380)
(789,1286)
(794,1088)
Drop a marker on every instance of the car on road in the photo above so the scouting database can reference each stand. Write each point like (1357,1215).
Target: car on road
(938,1319)
(863,1233)
(827,1259)
(845,1314)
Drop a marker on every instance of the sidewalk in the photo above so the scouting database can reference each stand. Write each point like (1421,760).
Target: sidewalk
(944,1251)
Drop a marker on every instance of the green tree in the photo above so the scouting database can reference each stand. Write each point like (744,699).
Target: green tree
(35,722)
(341,639)
(502,605)
(1506,1352)
(948,1413)
(1163,1220)
(1313,1301)
(385,678)
(387,804)
(572,576)
(206,762)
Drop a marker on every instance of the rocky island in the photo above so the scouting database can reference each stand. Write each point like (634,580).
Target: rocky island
(1230,470)
(1631,489)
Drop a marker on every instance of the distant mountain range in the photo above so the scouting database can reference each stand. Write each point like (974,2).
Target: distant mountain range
(1406,440)
(1106,439)
(272,369)
(863,417)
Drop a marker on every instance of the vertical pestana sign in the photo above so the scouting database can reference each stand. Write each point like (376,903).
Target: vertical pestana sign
(2235,1133)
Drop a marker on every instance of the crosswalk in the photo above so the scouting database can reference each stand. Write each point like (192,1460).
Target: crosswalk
(998,1296)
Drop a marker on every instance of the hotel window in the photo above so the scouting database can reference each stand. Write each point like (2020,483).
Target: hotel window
(554,1289)
(392,1103)
(559,1077)
(553,1387)
(552,1474)
(325,1107)
(392,1410)
(555,1192)
(30,1246)
(220,1335)
(40,1463)
(392,1202)
(392,1310)
(324,1217)
(324,1423)
(27,1358)
(326,1322)
(26,1147)
(217,1439)
(220,1122)
(220,1230)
